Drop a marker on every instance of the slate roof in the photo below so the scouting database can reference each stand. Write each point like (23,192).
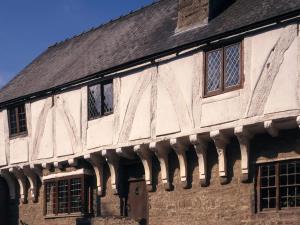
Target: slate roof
(140,34)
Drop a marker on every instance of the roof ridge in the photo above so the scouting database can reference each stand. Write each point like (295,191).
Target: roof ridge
(111,21)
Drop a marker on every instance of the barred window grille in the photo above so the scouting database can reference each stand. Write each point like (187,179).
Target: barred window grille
(67,196)
(223,69)
(278,185)
(100,100)
(17,120)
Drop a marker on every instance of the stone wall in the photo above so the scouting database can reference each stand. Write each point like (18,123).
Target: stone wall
(216,204)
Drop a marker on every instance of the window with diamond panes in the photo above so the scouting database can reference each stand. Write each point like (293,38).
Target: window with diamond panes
(100,99)
(223,69)
(67,195)
(17,120)
(278,186)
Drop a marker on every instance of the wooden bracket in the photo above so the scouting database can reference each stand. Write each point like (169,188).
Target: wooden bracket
(180,146)
(126,152)
(47,165)
(271,128)
(97,162)
(143,151)
(73,162)
(38,170)
(58,165)
(32,177)
(221,142)
(22,182)
(200,145)
(113,162)
(244,137)
(161,150)
(8,177)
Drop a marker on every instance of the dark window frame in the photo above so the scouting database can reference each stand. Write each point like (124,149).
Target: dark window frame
(102,113)
(222,47)
(86,196)
(17,114)
(277,186)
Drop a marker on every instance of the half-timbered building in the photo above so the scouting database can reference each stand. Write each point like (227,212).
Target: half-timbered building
(183,112)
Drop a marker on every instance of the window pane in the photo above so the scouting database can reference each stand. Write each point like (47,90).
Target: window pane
(94,99)
(75,195)
(267,186)
(107,98)
(289,189)
(13,121)
(232,65)
(63,196)
(214,70)
(22,118)
(50,200)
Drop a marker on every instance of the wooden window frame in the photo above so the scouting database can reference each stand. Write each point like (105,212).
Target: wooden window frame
(17,114)
(85,202)
(277,208)
(102,84)
(223,89)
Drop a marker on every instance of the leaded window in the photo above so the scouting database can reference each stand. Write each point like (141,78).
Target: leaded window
(67,195)
(100,99)
(17,120)
(278,185)
(223,69)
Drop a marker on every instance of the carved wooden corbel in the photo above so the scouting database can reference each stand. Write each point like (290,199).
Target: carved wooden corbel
(126,152)
(47,165)
(221,142)
(32,177)
(97,163)
(113,162)
(8,177)
(180,146)
(200,146)
(271,128)
(298,121)
(22,182)
(161,150)
(143,151)
(38,170)
(58,165)
(73,162)
(244,137)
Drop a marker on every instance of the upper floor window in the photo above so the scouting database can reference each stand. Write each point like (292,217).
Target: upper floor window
(223,70)
(17,120)
(68,195)
(278,185)
(100,99)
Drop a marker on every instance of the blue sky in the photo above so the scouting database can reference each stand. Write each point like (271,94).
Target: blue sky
(28,27)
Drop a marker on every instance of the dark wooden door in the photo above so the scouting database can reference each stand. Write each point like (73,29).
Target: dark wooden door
(4,200)
(137,203)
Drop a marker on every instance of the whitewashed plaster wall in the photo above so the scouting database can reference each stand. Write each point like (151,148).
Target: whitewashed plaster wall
(161,101)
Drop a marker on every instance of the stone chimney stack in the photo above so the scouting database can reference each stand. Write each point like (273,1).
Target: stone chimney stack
(197,13)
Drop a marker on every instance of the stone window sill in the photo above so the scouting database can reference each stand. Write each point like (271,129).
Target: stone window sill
(64,215)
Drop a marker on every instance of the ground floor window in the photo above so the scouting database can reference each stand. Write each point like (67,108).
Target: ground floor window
(278,185)
(68,195)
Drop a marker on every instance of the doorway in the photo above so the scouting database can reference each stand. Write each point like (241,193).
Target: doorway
(134,193)
(4,202)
